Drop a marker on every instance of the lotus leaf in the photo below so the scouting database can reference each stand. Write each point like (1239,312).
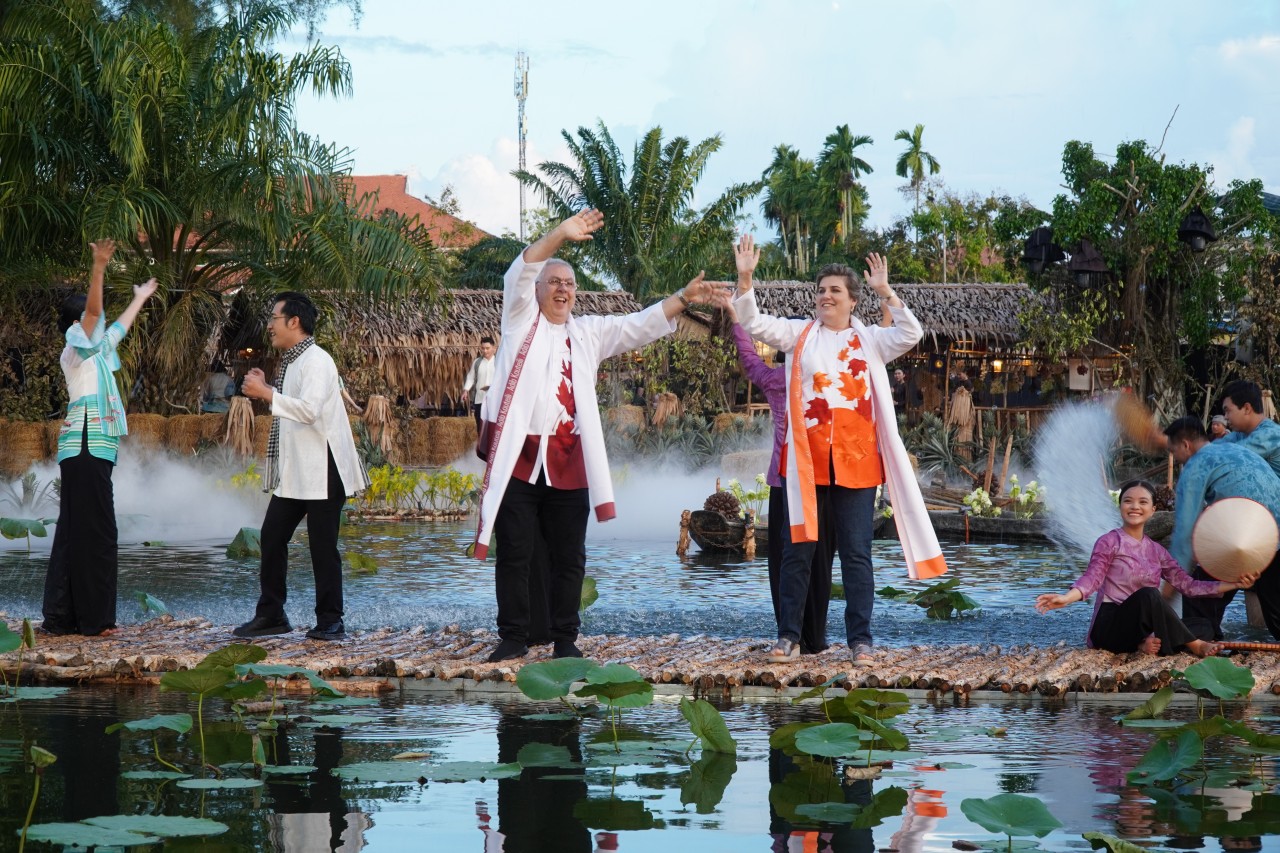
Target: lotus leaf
(877,704)
(180,723)
(619,694)
(335,720)
(154,775)
(162,825)
(28,694)
(1102,841)
(17,528)
(361,563)
(233,655)
(42,757)
(1011,814)
(706,724)
(544,755)
(86,835)
(10,640)
(216,784)
(151,604)
(821,689)
(1220,677)
(552,679)
(1167,758)
(812,782)
(833,740)
(1151,708)
(287,769)
(590,595)
(471,771)
(381,771)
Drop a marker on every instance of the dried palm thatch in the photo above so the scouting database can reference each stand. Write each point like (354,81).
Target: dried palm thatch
(146,430)
(184,433)
(727,421)
(961,414)
(381,423)
(414,445)
(240,425)
(21,444)
(1137,422)
(948,312)
(449,439)
(666,406)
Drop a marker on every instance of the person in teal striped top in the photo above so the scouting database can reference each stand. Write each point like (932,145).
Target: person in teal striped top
(80,585)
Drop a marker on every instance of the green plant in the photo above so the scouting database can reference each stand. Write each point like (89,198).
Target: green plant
(940,600)
(751,502)
(179,723)
(1010,815)
(13,528)
(40,759)
(249,479)
(27,496)
(215,677)
(1026,501)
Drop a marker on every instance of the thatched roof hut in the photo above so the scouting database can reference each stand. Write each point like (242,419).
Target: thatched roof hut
(423,351)
(979,313)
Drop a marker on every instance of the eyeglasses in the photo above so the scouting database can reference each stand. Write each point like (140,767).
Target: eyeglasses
(560,283)
(275,317)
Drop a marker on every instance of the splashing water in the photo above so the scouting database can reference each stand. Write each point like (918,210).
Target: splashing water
(1073,453)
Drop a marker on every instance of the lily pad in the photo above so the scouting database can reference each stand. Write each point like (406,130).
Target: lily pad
(30,694)
(544,755)
(472,771)
(550,717)
(1151,708)
(1011,814)
(886,804)
(1144,723)
(17,528)
(86,835)
(247,543)
(10,640)
(322,702)
(552,679)
(153,775)
(287,769)
(180,723)
(361,563)
(339,720)
(164,826)
(1102,841)
(279,670)
(381,771)
(706,724)
(821,689)
(234,655)
(833,740)
(217,784)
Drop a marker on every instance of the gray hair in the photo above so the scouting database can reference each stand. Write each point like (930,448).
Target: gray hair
(852,281)
(557,262)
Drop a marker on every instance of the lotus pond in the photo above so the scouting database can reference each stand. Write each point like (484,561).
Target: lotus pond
(628,771)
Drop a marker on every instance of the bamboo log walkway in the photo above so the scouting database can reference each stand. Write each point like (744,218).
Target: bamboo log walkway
(371,661)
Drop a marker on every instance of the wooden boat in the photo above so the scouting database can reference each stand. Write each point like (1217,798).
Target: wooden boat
(717,534)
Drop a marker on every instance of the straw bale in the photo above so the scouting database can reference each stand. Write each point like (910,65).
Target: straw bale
(261,431)
(413,444)
(625,416)
(52,429)
(184,433)
(21,444)
(146,430)
(449,439)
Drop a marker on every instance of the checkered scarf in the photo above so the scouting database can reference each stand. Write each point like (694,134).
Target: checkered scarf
(272,479)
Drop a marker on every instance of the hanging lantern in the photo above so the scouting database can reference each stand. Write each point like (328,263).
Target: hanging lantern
(1040,251)
(1196,230)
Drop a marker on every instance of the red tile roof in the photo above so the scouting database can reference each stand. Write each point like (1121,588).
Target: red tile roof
(446,230)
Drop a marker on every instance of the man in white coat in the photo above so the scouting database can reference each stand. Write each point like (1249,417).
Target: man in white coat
(547,466)
(312,466)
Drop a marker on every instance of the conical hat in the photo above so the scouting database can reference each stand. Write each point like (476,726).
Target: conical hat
(1234,537)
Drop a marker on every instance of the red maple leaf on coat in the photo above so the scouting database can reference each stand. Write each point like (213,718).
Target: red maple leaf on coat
(818,410)
(856,366)
(564,394)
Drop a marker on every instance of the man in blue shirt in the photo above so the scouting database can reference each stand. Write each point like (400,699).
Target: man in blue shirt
(1212,471)
(1242,405)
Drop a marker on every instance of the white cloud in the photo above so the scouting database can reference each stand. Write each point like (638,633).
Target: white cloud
(1267,47)
(1236,160)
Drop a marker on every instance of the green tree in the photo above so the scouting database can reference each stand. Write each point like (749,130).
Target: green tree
(839,168)
(792,194)
(915,161)
(194,14)
(182,146)
(1166,297)
(653,240)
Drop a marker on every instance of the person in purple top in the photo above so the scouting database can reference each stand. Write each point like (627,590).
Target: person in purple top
(1125,571)
(773,382)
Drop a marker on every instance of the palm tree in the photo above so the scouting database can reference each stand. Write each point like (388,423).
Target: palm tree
(181,144)
(793,197)
(915,160)
(653,240)
(840,167)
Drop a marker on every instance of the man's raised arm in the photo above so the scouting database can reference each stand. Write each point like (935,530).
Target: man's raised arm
(576,229)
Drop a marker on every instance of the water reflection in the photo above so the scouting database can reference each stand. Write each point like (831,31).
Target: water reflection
(536,809)
(311,814)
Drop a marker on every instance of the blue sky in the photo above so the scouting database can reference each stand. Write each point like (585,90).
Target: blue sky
(999,85)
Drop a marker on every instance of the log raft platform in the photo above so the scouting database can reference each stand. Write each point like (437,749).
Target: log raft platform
(376,661)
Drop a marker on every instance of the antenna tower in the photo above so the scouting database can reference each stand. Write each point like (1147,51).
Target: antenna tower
(522,93)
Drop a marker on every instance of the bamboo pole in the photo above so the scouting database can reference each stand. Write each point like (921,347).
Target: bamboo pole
(1004,469)
(991,464)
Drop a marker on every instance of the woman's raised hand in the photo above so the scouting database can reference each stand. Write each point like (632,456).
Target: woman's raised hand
(877,274)
(145,289)
(746,255)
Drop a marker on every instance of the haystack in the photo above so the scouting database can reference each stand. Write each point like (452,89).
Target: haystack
(52,429)
(261,432)
(449,438)
(625,416)
(184,433)
(21,444)
(413,444)
(146,430)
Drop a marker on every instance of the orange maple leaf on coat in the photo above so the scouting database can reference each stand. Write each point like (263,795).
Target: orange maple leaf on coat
(851,387)
(820,382)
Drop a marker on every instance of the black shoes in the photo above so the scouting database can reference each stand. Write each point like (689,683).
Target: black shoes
(566,649)
(508,650)
(262,626)
(336,631)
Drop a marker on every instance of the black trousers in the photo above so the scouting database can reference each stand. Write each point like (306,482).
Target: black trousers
(1122,627)
(80,585)
(813,627)
(540,526)
(1204,615)
(282,519)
